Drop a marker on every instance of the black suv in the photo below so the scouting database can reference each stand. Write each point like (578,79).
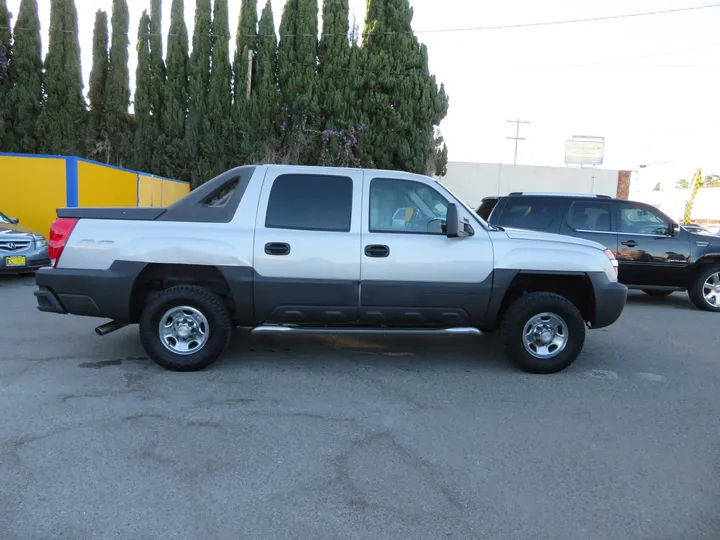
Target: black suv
(655,253)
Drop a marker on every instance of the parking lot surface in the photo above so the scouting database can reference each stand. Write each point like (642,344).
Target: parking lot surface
(291,437)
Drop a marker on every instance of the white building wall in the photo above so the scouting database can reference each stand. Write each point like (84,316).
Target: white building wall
(473,181)
(706,207)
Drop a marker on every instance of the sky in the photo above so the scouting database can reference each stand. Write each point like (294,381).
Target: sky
(649,85)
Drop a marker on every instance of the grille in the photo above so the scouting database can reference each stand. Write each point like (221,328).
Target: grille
(14,245)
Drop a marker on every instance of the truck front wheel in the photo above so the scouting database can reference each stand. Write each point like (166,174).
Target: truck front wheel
(543,332)
(185,328)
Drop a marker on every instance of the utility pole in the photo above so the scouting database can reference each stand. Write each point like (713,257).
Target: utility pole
(517,136)
(249,72)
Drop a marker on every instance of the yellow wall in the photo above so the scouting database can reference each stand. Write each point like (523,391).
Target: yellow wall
(31,188)
(172,191)
(106,186)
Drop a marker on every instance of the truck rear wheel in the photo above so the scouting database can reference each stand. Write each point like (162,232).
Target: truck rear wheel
(543,332)
(185,328)
(705,289)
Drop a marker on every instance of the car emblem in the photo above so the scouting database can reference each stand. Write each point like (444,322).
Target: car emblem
(11,245)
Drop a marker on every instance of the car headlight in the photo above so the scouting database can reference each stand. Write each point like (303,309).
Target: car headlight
(613,261)
(40,241)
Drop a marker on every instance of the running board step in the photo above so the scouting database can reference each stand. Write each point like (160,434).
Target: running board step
(277,329)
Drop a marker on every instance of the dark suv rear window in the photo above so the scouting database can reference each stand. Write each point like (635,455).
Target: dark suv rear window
(528,213)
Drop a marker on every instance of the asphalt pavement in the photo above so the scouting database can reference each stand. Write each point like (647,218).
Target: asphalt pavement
(291,437)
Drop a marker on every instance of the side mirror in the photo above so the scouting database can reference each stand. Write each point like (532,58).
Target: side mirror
(455,226)
(674,229)
(14,220)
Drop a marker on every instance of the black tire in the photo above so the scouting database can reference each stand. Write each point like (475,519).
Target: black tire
(519,314)
(210,305)
(650,292)
(695,292)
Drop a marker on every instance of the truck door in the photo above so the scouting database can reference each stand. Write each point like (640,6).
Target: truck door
(411,273)
(307,247)
(648,254)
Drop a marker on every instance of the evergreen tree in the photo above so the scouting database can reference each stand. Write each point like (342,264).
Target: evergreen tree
(97,145)
(266,98)
(334,56)
(6,129)
(220,96)
(25,71)
(402,96)
(198,127)
(175,100)
(157,84)
(117,94)
(60,125)
(144,128)
(297,66)
(246,42)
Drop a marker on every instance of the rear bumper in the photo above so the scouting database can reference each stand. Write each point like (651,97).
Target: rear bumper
(610,298)
(91,293)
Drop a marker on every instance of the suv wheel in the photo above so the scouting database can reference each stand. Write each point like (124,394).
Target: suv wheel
(651,292)
(543,332)
(705,289)
(185,328)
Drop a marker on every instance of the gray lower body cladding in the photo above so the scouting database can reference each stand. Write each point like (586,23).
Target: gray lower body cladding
(257,299)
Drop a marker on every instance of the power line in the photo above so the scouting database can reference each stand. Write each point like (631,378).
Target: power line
(461,29)
(650,55)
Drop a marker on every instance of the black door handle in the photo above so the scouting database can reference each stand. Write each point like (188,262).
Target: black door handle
(377,250)
(630,243)
(277,248)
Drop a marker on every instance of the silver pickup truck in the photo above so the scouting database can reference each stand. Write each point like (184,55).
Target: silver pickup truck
(313,249)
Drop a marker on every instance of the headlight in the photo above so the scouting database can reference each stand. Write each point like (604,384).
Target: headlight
(613,260)
(40,241)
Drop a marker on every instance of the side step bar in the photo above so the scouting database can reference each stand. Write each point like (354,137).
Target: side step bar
(277,329)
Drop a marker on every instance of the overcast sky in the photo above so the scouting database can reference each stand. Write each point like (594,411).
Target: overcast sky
(649,85)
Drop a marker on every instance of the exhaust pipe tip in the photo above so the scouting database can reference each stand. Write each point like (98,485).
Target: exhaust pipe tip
(105,329)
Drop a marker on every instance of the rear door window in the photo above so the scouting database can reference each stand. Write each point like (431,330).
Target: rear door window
(529,213)
(589,216)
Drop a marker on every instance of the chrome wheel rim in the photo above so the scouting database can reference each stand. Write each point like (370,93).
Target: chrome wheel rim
(711,290)
(183,330)
(545,335)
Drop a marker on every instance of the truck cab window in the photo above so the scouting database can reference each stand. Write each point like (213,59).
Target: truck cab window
(406,206)
(310,202)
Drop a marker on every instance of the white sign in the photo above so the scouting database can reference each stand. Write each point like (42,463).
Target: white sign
(584,151)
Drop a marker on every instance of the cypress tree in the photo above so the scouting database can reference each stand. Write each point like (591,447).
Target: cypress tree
(402,98)
(220,96)
(297,63)
(266,98)
(25,71)
(117,95)
(157,85)
(175,100)
(198,127)
(6,134)
(60,125)
(334,57)
(246,41)
(144,132)
(97,145)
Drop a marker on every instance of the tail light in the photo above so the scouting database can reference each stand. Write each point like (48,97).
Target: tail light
(59,233)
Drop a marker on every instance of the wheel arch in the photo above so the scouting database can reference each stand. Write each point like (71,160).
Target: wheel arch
(156,277)
(575,286)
